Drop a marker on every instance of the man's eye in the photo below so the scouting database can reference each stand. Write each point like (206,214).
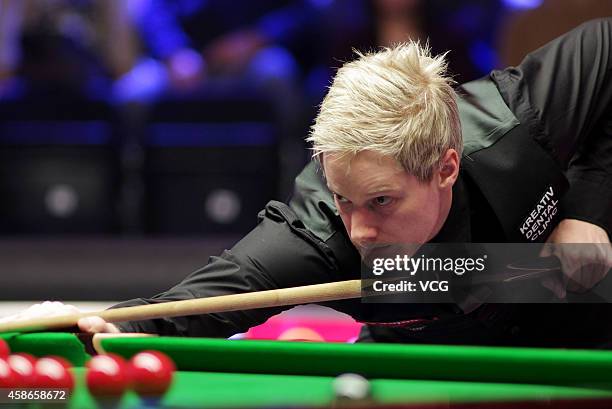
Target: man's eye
(382,200)
(341,199)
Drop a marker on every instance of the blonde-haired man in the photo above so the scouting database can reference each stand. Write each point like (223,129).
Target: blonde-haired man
(397,102)
(389,141)
(389,131)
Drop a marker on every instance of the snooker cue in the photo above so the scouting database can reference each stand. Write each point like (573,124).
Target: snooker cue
(339,290)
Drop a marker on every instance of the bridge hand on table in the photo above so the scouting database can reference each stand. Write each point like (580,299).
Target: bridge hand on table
(47,309)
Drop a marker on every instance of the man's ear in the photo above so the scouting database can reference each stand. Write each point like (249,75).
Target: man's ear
(449,169)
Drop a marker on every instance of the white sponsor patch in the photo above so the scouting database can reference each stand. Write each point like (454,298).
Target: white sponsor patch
(540,217)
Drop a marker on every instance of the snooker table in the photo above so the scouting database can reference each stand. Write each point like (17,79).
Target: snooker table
(254,373)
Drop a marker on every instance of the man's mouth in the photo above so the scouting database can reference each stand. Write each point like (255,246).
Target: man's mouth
(370,252)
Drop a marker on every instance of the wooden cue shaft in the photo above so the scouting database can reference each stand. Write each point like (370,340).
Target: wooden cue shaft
(339,290)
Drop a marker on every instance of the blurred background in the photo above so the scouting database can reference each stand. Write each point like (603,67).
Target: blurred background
(140,137)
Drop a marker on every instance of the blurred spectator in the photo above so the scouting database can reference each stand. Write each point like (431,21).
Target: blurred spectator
(466,29)
(398,21)
(63,46)
(191,42)
(526,30)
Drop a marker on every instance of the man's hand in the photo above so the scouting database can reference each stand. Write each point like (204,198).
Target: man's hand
(55,308)
(94,325)
(583,265)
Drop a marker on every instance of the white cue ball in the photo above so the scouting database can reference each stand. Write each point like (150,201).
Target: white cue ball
(351,386)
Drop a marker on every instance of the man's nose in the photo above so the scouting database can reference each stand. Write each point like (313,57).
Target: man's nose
(363,230)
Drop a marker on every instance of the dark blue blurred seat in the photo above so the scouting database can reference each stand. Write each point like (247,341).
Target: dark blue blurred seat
(58,167)
(211,162)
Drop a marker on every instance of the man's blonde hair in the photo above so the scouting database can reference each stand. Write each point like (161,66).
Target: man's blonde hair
(397,102)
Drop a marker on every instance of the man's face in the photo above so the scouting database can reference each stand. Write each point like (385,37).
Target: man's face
(381,204)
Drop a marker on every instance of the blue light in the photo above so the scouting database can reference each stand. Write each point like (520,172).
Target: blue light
(55,132)
(483,56)
(523,4)
(185,134)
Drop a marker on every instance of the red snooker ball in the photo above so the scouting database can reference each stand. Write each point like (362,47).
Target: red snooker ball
(4,349)
(151,373)
(107,375)
(53,372)
(7,376)
(22,365)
